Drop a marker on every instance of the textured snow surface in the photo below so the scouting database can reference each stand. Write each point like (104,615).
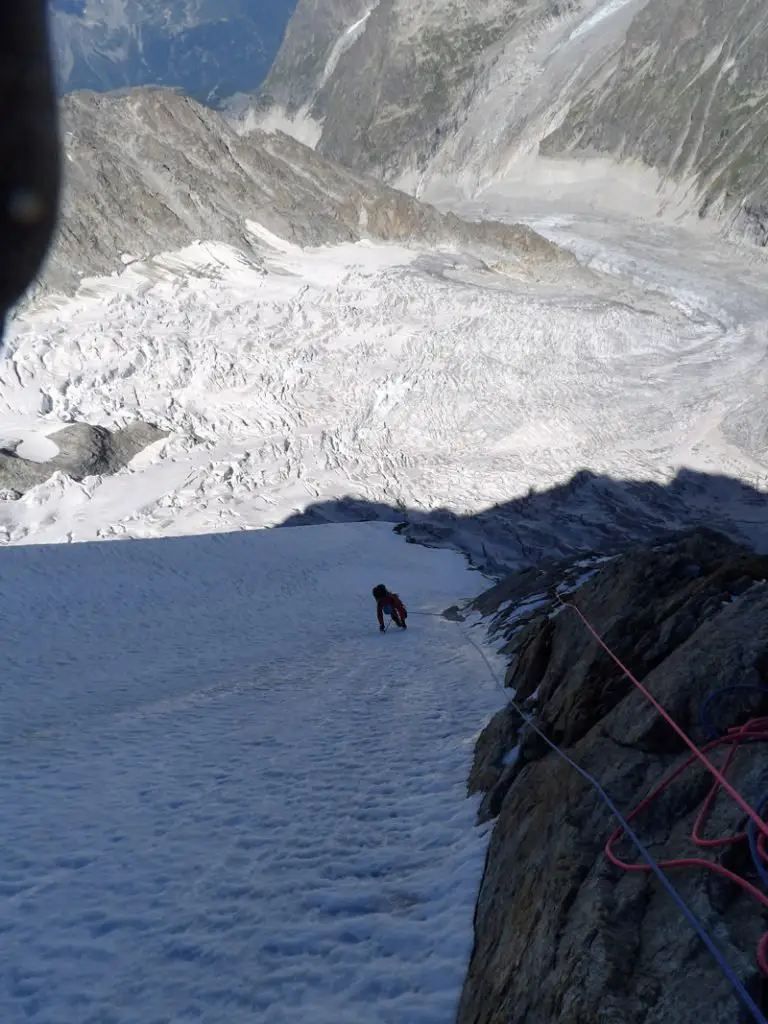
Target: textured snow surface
(374,372)
(226,795)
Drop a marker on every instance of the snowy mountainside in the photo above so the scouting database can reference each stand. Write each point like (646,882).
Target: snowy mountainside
(207,48)
(151,171)
(227,796)
(438,92)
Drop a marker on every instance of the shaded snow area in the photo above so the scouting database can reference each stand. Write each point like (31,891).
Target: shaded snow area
(226,795)
(372,372)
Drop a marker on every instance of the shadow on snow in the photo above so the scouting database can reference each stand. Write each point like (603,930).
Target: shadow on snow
(588,514)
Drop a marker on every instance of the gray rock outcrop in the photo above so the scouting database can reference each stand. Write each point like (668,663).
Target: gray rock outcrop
(84,451)
(560,933)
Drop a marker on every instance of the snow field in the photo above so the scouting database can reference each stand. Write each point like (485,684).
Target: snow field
(227,796)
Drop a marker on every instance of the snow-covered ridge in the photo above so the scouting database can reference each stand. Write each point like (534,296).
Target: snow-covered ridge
(603,11)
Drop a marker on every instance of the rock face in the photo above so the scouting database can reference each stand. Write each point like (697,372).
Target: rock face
(208,48)
(560,933)
(685,94)
(396,86)
(151,171)
(83,451)
(422,90)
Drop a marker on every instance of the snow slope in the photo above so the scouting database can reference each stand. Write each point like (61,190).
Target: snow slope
(227,796)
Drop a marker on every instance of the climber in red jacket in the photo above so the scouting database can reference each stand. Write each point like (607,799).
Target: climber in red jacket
(388,603)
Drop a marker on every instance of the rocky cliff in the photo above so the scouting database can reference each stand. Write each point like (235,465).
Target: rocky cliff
(685,93)
(314,43)
(423,91)
(560,933)
(398,77)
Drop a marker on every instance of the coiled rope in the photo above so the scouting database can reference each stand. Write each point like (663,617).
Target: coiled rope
(754,730)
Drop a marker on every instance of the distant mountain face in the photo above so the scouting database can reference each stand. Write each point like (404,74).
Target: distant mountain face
(207,48)
(389,80)
(318,34)
(420,90)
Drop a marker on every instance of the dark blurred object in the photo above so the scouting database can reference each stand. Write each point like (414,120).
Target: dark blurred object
(29,146)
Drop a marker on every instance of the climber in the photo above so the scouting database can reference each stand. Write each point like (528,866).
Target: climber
(390,604)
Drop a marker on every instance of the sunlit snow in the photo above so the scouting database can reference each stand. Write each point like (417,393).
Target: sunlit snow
(368,371)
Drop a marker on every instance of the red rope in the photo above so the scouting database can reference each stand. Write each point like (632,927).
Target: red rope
(754,730)
(757,729)
(734,793)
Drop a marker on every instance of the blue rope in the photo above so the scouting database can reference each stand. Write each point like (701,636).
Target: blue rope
(706,724)
(722,963)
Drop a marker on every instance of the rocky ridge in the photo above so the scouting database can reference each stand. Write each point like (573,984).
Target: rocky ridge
(151,171)
(560,933)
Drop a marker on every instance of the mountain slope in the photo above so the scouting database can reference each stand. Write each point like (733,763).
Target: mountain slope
(396,83)
(316,36)
(152,171)
(438,91)
(686,94)
(208,48)
(228,797)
